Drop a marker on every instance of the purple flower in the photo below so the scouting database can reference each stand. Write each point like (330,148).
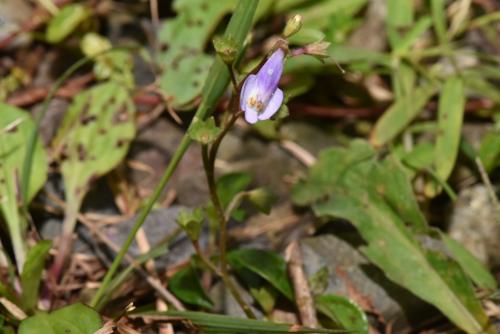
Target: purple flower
(260,96)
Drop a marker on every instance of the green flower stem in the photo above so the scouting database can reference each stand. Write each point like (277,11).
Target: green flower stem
(209,155)
(223,272)
(218,78)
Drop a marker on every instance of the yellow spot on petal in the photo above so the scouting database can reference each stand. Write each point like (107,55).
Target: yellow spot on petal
(255,103)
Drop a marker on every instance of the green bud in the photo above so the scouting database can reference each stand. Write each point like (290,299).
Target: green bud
(292,26)
(262,198)
(204,132)
(225,48)
(93,44)
(191,222)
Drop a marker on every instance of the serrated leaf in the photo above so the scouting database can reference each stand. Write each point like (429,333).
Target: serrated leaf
(185,284)
(356,187)
(32,273)
(74,319)
(266,264)
(344,312)
(94,137)
(66,21)
(16,127)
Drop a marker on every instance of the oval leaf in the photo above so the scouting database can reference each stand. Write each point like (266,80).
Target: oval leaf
(74,319)
(185,284)
(344,312)
(267,265)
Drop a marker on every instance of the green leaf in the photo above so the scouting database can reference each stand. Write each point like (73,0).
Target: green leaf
(215,323)
(438,9)
(32,273)
(475,269)
(228,185)
(267,265)
(400,13)
(74,319)
(351,184)
(66,21)
(450,116)
(191,222)
(262,199)
(16,127)
(400,114)
(185,63)
(404,44)
(185,284)
(94,137)
(344,312)
(489,151)
(204,132)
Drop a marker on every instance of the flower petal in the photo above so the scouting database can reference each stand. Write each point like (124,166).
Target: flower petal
(251,115)
(270,73)
(249,86)
(273,105)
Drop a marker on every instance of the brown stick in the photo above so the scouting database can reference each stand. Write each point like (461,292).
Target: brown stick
(303,296)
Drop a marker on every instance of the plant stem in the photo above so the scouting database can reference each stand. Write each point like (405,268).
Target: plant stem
(238,27)
(208,164)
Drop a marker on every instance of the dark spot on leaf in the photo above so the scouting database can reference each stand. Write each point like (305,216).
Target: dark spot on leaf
(93,178)
(82,153)
(199,22)
(121,116)
(102,131)
(64,153)
(204,6)
(86,119)
(120,143)
(196,84)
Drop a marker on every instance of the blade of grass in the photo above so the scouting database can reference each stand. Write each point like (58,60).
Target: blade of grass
(218,79)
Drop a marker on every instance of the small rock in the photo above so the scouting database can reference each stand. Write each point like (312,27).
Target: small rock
(476,225)
(351,275)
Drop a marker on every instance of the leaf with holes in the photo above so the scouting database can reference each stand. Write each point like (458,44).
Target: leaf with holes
(16,126)
(94,137)
(185,36)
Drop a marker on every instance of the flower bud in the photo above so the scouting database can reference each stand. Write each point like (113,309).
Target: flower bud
(191,222)
(317,49)
(292,26)
(225,48)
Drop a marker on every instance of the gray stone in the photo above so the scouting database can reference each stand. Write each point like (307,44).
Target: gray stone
(351,275)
